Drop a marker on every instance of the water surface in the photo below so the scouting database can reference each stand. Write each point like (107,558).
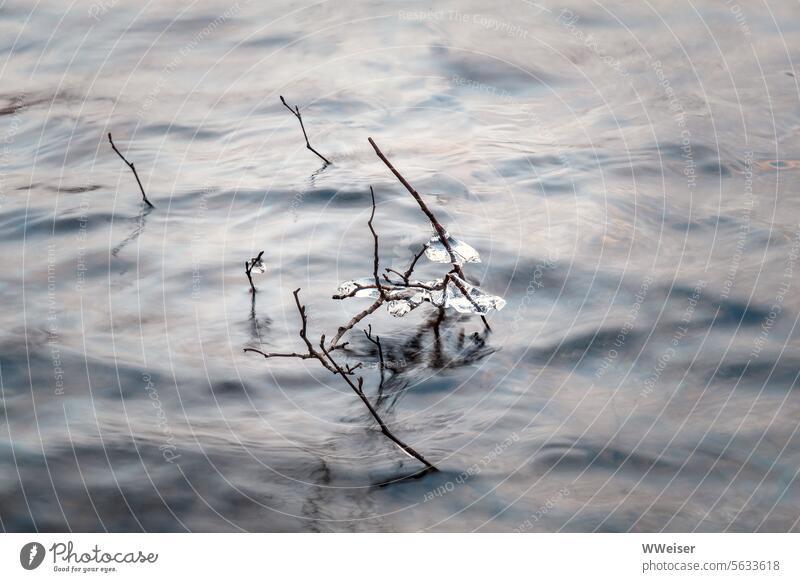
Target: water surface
(628,173)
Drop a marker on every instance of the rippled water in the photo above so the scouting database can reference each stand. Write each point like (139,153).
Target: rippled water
(628,173)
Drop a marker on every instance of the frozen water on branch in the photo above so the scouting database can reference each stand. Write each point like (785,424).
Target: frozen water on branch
(256,266)
(483,302)
(401,307)
(464,253)
(404,300)
(348,287)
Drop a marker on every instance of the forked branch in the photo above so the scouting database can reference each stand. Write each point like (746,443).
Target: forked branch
(296,113)
(248,269)
(133,169)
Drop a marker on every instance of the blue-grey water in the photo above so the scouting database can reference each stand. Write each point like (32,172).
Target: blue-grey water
(627,171)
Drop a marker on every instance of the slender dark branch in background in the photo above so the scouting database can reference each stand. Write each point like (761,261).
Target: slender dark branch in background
(249,277)
(248,267)
(133,169)
(296,113)
(437,226)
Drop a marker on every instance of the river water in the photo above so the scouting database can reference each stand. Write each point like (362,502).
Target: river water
(627,172)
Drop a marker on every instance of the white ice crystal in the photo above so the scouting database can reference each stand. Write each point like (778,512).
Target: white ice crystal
(437,253)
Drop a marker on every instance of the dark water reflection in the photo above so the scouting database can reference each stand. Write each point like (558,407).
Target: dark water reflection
(627,172)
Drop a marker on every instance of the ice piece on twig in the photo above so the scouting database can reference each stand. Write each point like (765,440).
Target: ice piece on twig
(464,253)
(401,307)
(256,266)
(366,288)
(481,303)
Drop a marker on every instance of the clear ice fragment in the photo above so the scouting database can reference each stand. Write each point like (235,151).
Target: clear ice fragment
(478,302)
(401,307)
(256,266)
(437,253)
(348,287)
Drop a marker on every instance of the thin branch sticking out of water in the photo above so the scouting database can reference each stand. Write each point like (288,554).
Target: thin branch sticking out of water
(133,169)
(323,355)
(296,113)
(248,269)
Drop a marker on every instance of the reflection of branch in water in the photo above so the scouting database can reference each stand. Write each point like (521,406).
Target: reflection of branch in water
(439,343)
(312,179)
(255,326)
(314,504)
(141,222)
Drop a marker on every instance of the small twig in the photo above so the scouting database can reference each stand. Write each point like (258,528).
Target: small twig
(296,113)
(353,322)
(377,341)
(413,264)
(133,169)
(277,355)
(248,267)
(350,369)
(249,277)
(376,259)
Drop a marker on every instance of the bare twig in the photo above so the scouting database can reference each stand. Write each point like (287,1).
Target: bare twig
(376,259)
(390,270)
(277,355)
(440,230)
(377,341)
(353,322)
(350,369)
(248,267)
(133,169)
(413,264)
(437,226)
(296,113)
